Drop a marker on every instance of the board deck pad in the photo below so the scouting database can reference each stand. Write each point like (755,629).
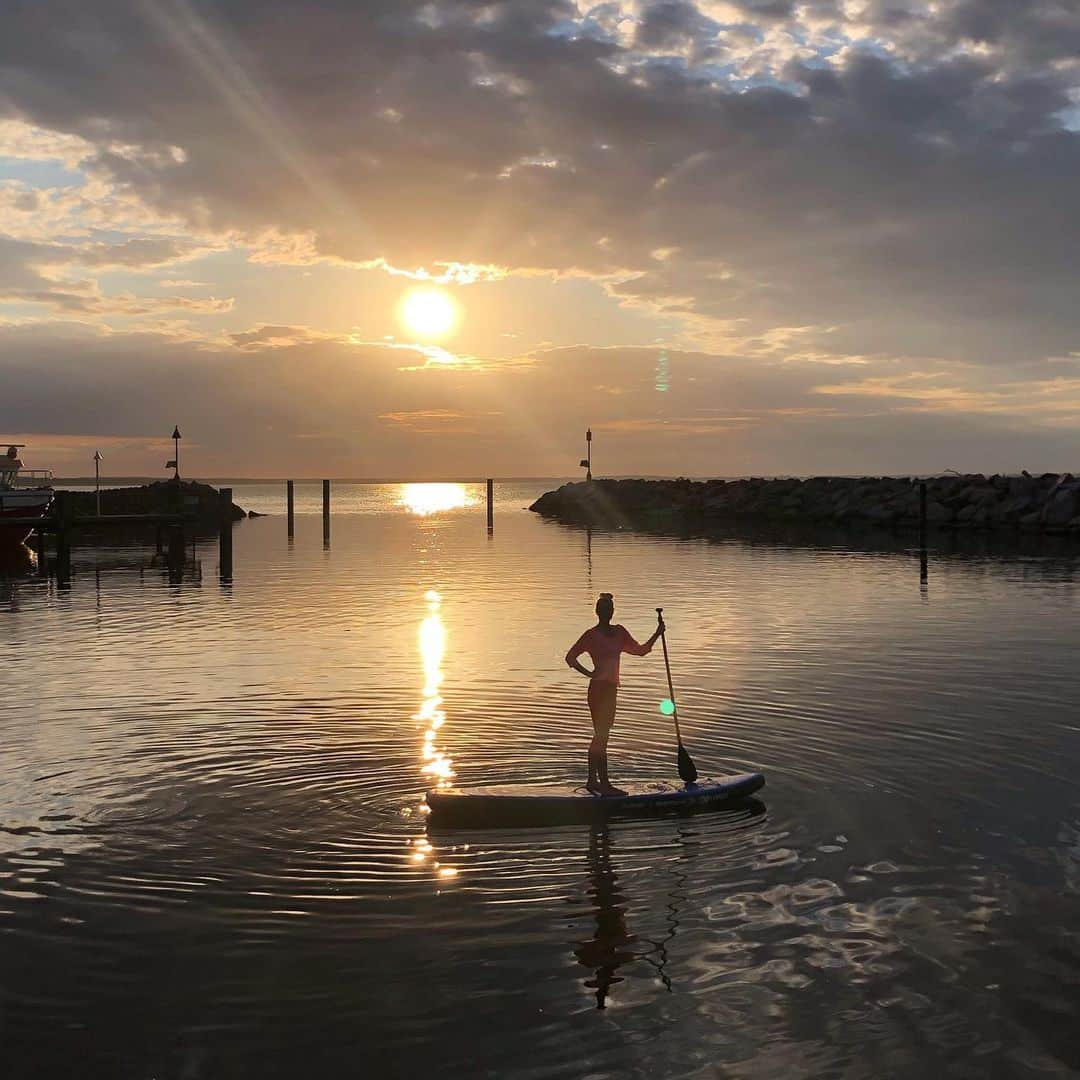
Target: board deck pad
(524,804)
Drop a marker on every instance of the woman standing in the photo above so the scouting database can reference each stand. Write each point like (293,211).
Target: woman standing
(605,644)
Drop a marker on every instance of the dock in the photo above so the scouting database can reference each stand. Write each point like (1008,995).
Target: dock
(171,531)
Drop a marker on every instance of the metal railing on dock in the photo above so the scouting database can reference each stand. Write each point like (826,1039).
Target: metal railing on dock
(32,478)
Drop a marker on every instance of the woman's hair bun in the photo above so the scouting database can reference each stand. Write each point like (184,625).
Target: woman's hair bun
(607,596)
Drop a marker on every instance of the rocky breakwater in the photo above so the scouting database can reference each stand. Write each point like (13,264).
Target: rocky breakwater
(1048,503)
(200,502)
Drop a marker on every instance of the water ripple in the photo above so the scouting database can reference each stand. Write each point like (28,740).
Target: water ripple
(218,800)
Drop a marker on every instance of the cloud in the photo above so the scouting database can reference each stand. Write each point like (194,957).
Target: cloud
(26,142)
(682,425)
(251,410)
(278,337)
(902,173)
(431,421)
(875,190)
(39,274)
(137,253)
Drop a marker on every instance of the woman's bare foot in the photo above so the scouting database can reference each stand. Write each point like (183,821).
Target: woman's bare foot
(593,787)
(611,789)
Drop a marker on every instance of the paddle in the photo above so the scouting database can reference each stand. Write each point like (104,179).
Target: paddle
(687,769)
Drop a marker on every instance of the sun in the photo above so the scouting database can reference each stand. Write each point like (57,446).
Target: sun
(428,313)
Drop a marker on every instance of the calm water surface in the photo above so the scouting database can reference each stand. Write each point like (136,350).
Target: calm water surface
(213,861)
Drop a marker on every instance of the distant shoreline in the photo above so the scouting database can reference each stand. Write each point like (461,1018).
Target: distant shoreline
(225,480)
(649,477)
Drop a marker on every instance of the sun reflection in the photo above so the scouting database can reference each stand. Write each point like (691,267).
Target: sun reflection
(435,762)
(424,499)
(432,648)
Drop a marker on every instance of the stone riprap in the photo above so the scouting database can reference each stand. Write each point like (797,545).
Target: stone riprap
(1047,503)
(188,497)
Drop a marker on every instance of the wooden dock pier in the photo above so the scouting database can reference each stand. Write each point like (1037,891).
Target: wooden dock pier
(171,532)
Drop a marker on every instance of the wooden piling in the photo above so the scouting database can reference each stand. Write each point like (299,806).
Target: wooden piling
(225,535)
(923,568)
(176,551)
(491,505)
(42,554)
(326,513)
(290,507)
(62,518)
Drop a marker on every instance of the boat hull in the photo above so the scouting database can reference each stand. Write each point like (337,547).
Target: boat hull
(21,505)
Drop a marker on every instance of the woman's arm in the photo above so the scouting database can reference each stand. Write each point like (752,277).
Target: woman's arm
(572,658)
(635,648)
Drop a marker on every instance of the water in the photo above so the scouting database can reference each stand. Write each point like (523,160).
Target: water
(213,860)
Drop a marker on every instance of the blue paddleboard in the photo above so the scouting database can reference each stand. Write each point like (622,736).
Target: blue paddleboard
(522,804)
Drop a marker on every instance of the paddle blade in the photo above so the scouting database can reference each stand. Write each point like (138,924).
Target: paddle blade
(687,768)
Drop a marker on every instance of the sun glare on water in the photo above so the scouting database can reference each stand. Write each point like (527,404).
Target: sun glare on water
(428,313)
(436,764)
(424,499)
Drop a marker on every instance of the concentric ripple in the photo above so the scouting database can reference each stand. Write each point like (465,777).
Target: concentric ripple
(212,828)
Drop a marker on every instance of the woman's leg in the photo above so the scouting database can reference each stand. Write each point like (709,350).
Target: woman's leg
(602,701)
(598,774)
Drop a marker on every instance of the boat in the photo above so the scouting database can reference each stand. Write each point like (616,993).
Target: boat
(521,804)
(24,493)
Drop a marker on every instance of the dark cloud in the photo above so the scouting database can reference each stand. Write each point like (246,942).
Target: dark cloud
(256,410)
(1029,32)
(677,25)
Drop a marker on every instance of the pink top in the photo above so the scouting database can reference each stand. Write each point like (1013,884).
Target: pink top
(605,649)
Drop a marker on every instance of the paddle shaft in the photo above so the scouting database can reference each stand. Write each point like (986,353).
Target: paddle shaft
(667,668)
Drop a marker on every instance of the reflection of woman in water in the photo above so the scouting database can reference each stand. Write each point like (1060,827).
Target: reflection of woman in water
(605,644)
(609,948)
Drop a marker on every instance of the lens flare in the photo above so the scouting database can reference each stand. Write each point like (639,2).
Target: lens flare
(667,707)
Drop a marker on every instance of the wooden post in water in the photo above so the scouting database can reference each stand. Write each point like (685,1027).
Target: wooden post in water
(42,554)
(176,552)
(326,513)
(922,531)
(290,507)
(62,514)
(225,537)
(491,505)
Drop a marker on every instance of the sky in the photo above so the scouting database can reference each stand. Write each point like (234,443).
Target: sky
(419,240)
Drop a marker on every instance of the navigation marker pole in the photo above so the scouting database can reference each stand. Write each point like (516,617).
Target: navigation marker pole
(97,482)
(586,461)
(175,463)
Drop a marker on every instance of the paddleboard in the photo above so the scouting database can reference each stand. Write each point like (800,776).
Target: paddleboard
(522,804)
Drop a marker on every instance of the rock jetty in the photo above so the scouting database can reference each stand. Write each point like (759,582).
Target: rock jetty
(1049,503)
(197,501)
